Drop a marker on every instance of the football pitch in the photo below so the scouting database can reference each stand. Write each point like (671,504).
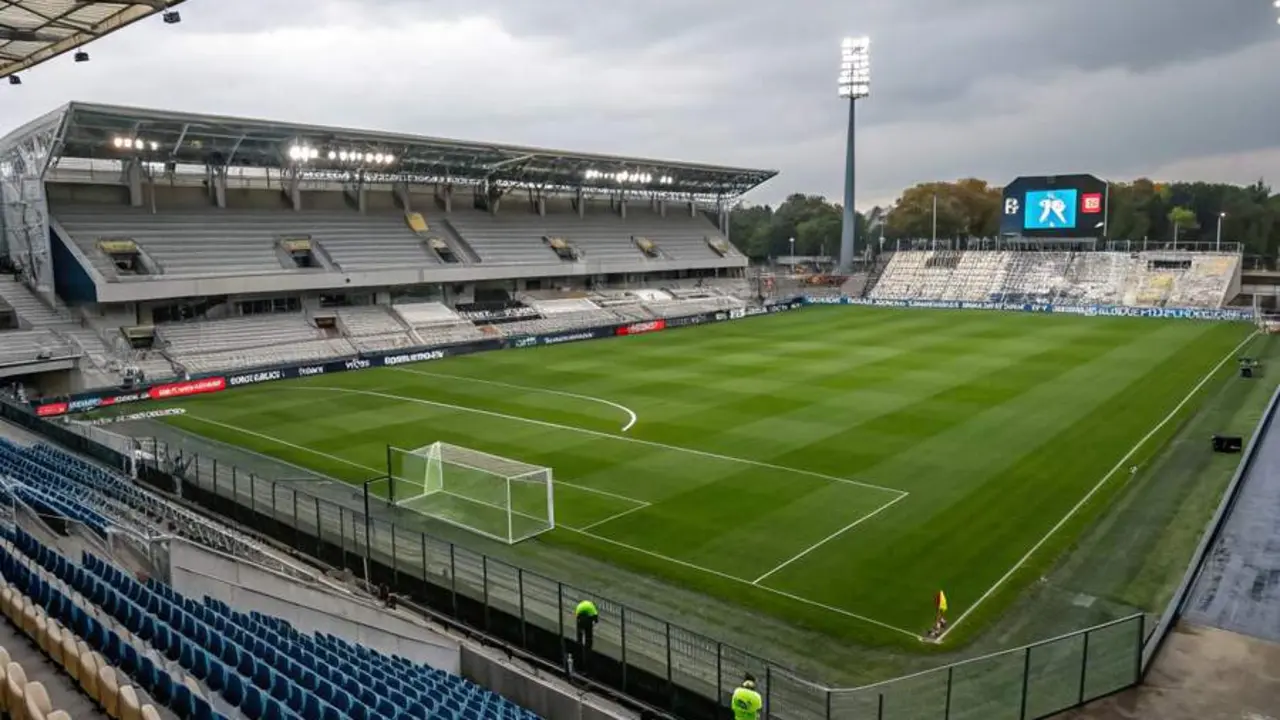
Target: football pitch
(835,466)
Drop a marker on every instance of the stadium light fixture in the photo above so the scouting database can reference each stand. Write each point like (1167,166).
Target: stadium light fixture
(15,80)
(855,68)
(81,56)
(138,144)
(388,159)
(154,146)
(333,155)
(854,85)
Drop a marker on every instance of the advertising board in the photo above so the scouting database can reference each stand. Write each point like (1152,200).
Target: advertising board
(1225,314)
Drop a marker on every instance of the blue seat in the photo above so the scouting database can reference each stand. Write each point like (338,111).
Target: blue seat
(252,705)
(181,702)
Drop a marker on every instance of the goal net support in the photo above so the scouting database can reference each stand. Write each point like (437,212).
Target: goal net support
(503,499)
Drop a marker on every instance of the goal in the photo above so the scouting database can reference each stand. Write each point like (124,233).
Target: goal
(500,498)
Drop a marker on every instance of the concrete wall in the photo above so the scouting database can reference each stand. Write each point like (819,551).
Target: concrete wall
(197,572)
(532,692)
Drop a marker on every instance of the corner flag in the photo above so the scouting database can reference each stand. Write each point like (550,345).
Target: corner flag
(940,600)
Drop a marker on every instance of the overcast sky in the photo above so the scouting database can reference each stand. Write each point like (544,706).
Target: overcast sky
(1174,89)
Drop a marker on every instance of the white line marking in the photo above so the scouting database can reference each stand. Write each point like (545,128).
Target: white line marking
(744,581)
(344,461)
(598,433)
(601,538)
(630,414)
(1071,513)
(829,538)
(613,517)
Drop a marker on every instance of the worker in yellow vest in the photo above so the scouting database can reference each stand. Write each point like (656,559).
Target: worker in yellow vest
(586,616)
(746,702)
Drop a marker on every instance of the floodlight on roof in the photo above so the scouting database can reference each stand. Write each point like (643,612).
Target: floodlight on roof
(388,159)
(342,155)
(377,157)
(15,80)
(333,155)
(138,144)
(118,141)
(313,153)
(855,68)
(368,157)
(154,146)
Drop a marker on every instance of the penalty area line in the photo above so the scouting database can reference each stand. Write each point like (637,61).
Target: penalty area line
(1094,490)
(631,421)
(587,533)
(829,538)
(735,578)
(594,433)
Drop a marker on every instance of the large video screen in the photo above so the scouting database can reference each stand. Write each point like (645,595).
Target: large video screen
(1054,206)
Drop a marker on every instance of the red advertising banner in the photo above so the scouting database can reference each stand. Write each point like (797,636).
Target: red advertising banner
(642,328)
(52,409)
(191,387)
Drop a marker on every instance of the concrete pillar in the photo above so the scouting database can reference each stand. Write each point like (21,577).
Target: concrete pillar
(542,206)
(401,192)
(662,207)
(293,191)
(362,198)
(133,179)
(622,208)
(693,209)
(581,201)
(219,185)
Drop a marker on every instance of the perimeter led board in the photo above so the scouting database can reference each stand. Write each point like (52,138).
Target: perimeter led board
(1054,206)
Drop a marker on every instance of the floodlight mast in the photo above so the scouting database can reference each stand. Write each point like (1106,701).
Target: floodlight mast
(855,84)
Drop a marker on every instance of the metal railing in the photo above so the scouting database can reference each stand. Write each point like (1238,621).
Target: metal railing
(654,660)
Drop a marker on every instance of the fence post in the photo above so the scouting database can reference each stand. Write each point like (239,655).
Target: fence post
(253,493)
(214,476)
(453,577)
(1026,678)
(395,561)
(1084,667)
(719,671)
(484,580)
(423,538)
(342,535)
(297,524)
(564,655)
(879,706)
(274,516)
(235,484)
(623,635)
(524,627)
(946,713)
(671,684)
(319,537)
(768,688)
(1137,654)
(827,715)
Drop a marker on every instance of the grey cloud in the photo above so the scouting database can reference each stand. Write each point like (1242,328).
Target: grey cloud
(993,88)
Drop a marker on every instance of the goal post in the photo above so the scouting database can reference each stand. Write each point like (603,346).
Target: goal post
(501,498)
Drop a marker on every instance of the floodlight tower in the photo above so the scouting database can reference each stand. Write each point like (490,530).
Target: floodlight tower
(855,84)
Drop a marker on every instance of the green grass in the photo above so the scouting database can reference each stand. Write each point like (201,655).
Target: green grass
(856,459)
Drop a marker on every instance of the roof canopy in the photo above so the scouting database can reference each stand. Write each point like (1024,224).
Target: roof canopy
(102,131)
(33,31)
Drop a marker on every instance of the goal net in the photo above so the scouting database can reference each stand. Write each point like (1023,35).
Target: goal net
(497,497)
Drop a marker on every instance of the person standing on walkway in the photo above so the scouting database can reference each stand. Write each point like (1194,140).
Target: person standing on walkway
(746,702)
(587,616)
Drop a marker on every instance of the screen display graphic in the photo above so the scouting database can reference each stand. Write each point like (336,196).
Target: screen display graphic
(1050,209)
(1054,207)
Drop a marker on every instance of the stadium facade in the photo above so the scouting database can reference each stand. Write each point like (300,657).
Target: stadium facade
(138,218)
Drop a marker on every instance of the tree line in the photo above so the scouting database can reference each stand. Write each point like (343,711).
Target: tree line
(970,208)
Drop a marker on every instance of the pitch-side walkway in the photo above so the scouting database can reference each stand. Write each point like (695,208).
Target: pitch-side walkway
(1223,658)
